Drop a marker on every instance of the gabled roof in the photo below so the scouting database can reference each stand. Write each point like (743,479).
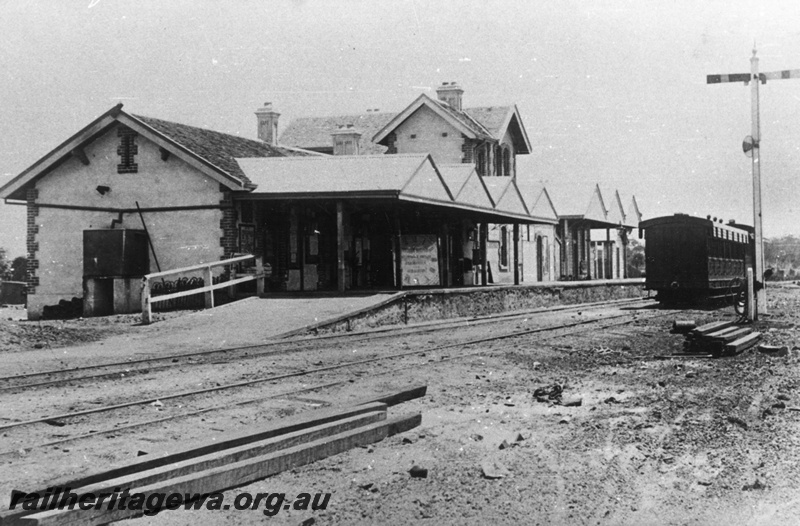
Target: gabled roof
(616,214)
(596,211)
(221,149)
(411,177)
(634,215)
(506,195)
(499,120)
(210,152)
(467,186)
(458,119)
(542,206)
(314,133)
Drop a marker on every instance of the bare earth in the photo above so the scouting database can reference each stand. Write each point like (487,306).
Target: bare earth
(653,441)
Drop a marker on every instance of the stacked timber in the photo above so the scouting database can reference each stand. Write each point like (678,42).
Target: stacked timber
(230,461)
(720,338)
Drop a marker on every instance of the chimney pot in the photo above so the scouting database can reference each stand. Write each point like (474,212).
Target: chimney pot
(450,93)
(346,140)
(267,120)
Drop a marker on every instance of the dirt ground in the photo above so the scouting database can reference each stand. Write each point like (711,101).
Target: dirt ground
(681,441)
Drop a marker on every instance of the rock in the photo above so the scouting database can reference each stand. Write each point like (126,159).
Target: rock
(738,421)
(683,326)
(158,403)
(757,485)
(418,472)
(141,453)
(565,420)
(783,396)
(407,440)
(308,522)
(779,405)
(494,470)
(519,438)
(504,445)
(38,345)
(476,437)
(366,486)
(572,402)
(774,350)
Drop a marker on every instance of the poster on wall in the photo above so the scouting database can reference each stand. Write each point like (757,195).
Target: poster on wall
(419,260)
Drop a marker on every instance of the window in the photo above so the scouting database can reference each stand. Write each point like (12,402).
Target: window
(507,161)
(127,151)
(480,162)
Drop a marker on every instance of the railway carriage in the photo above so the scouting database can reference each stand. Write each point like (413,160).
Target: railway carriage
(691,259)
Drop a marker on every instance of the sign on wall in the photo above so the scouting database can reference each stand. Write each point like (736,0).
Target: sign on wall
(419,260)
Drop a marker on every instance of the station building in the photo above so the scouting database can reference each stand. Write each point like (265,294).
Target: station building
(427,197)
(128,195)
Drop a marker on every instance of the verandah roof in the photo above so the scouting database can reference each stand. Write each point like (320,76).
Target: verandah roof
(404,177)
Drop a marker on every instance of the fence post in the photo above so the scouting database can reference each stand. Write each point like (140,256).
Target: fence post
(260,276)
(208,278)
(147,312)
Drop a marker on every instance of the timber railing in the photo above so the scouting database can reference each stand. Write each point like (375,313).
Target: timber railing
(208,279)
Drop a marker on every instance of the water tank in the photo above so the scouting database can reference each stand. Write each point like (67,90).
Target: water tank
(115,253)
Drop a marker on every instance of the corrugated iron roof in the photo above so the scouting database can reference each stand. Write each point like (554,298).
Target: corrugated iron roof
(333,174)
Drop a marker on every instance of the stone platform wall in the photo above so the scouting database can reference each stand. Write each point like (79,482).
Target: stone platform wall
(412,307)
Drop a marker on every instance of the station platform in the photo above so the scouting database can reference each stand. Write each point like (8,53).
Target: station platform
(275,316)
(255,320)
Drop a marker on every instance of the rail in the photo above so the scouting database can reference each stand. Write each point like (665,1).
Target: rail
(208,289)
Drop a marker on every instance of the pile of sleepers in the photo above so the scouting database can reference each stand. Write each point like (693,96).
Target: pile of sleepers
(721,338)
(233,460)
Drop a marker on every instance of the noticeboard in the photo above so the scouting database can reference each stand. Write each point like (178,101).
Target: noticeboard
(419,258)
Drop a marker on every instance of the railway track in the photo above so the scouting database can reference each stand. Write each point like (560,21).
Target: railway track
(132,368)
(550,331)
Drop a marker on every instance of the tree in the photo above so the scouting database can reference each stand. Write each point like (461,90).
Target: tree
(4,264)
(19,269)
(636,251)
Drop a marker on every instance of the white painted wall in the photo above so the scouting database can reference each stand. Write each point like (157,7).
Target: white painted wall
(180,238)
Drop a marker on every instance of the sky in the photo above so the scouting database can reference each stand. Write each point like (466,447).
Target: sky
(610,92)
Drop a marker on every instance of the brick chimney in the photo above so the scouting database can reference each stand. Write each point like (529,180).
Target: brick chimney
(268,124)
(450,92)
(345,140)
